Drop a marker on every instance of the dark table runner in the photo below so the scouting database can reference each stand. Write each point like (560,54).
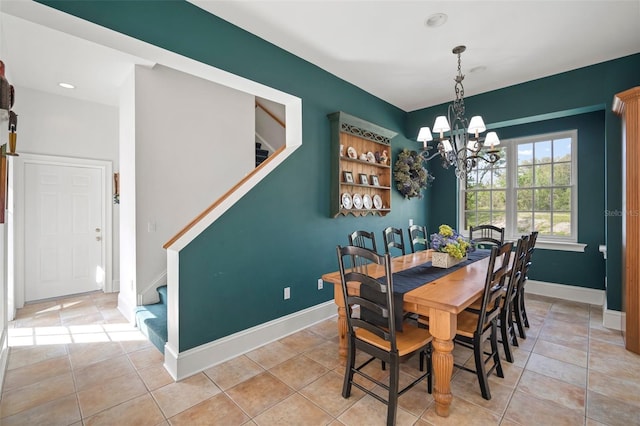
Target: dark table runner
(409,279)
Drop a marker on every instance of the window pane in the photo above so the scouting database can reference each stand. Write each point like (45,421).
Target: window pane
(543,175)
(542,152)
(499,200)
(525,200)
(525,153)
(484,178)
(525,176)
(562,149)
(525,223)
(484,217)
(562,223)
(562,174)
(542,200)
(484,200)
(542,223)
(499,177)
(562,199)
(470,201)
(470,220)
(499,219)
(472,179)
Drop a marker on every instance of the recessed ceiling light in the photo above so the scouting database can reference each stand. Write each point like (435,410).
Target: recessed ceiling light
(67,85)
(436,20)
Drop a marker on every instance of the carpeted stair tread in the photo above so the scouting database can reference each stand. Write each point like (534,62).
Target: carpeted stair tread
(162,291)
(152,320)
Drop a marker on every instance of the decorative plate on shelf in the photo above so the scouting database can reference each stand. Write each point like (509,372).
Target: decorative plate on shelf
(370,157)
(351,152)
(347,203)
(367,202)
(377,202)
(357,201)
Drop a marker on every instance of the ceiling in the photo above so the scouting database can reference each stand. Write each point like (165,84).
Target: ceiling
(383,47)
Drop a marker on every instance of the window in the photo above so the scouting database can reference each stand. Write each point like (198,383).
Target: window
(532,187)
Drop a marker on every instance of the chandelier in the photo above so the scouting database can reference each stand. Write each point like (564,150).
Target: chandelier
(463,146)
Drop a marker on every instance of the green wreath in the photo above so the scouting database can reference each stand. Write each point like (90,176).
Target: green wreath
(410,176)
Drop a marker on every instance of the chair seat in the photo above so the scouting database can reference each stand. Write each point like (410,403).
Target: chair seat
(409,340)
(467,323)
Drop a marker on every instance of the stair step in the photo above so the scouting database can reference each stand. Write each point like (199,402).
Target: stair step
(258,145)
(152,322)
(162,291)
(263,152)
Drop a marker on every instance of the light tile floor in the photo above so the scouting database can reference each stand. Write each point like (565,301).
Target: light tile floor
(76,361)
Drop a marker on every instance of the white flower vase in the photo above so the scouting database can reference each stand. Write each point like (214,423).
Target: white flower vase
(445,260)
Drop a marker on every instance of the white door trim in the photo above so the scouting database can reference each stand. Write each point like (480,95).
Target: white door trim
(16,213)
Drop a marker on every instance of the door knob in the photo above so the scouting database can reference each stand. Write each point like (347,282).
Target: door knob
(97,229)
(98,238)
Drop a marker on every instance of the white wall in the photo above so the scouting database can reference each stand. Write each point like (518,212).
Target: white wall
(57,125)
(4,330)
(127,210)
(49,124)
(193,142)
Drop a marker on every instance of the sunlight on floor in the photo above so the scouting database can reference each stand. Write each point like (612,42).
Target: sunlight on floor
(26,329)
(30,336)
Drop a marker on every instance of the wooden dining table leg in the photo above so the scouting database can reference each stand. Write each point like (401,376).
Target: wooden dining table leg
(342,323)
(442,326)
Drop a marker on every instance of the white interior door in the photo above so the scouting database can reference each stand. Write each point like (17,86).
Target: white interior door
(63,230)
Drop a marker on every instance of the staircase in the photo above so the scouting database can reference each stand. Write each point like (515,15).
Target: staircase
(152,320)
(261,154)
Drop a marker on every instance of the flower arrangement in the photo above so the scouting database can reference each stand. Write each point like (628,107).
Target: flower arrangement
(410,176)
(447,240)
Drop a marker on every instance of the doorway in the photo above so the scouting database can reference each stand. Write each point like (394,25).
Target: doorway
(60,215)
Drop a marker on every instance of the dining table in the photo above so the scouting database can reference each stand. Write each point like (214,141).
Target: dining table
(438,294)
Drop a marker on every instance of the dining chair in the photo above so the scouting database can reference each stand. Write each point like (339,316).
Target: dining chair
(486,236)
(418,237)
(363,239)
(520,310)
(393,238)
(506,320)
(475,327)
(378,339)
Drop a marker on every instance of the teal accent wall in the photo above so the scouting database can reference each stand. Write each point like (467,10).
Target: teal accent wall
(280,234)
(538,103)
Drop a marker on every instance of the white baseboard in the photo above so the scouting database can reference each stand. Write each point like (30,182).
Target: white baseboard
(613,319)
(150,294)
(126,308)
(610,319)
(187,363)
(4,356)
(566,292)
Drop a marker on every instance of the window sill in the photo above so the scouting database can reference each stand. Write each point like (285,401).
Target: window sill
(560,246)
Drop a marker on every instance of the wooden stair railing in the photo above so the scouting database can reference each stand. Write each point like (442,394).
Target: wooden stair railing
(219,200)
(233,188)
(270,114)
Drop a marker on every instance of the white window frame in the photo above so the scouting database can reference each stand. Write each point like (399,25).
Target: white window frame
(569,243)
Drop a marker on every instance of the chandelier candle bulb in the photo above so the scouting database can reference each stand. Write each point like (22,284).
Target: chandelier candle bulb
(492,139)
(425,136)
(476,126)
(441,125)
